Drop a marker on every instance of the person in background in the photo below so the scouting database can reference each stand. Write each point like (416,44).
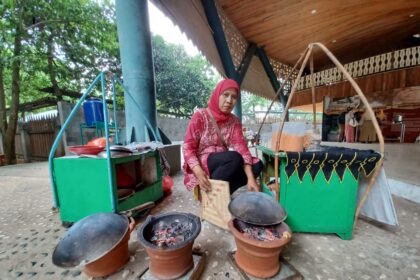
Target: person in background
(211,134)
(341,121)
(350,124)
(367,130)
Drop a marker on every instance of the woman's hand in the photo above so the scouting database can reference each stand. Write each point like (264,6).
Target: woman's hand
(253,186)
(252,183)
(203,179)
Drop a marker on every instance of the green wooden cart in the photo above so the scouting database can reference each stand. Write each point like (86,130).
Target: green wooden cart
(83,184)
(314,206)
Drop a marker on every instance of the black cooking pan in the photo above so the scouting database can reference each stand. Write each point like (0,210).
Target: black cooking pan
(257,208)
(89,239)
(94,236)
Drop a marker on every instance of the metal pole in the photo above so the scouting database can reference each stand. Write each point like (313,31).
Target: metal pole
(114,104)
(60,133)
(108,153)
(137,65)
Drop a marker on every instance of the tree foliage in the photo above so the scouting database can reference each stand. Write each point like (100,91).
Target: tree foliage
(51,47)
(61,44)
(183,83)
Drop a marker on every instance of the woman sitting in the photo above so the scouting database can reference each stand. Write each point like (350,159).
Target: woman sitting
(210,135)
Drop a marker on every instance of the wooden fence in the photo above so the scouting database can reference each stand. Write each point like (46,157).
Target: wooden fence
(35,137)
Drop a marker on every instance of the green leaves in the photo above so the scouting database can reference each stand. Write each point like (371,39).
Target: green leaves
(66,41)
(183,83)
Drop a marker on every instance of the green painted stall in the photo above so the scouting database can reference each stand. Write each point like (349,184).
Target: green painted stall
(83,186)
(317,205)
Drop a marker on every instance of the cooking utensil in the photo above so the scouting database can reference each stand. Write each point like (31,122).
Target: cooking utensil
(120,149)
(99,242)
(257,208)
(85,150)
(90,238)
(114,154)
(116,151)
(99,142)
(398,119)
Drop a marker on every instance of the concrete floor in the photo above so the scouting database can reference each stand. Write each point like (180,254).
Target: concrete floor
(29,231)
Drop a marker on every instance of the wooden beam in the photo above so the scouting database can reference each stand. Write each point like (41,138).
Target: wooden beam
(222,46)
(270,73)
(246,61)
(219,38)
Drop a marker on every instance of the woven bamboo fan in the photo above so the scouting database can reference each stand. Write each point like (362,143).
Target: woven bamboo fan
(214,204)
(308,55)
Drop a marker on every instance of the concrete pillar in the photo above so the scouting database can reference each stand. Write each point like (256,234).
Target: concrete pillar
(137,67)
(25,143)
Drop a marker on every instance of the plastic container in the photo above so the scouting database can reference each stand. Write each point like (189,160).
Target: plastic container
(291,139)
(94,111)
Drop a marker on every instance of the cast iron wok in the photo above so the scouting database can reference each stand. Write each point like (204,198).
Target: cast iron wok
(93,237)
(257,208)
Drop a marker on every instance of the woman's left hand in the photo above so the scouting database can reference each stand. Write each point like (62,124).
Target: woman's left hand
(252,183)
(253,187)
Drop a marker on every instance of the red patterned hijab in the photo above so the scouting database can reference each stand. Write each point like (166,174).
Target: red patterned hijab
(213,103)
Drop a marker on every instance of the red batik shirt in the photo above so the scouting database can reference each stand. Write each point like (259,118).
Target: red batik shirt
(201,140)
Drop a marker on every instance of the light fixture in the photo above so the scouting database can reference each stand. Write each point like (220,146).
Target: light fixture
(411,15)
(417,35)
(334,41)
(313,12)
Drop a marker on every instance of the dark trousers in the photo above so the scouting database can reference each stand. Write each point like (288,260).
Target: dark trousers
(229,166)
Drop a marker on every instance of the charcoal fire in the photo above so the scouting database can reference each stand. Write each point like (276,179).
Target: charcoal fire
(170,234)
(260,233)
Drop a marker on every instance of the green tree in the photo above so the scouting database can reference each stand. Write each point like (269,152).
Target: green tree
(51,50)
(48,49)
(183,83)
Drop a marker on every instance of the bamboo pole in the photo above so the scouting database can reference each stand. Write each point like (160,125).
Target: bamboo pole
(292,93)
(374,121)
(275,98)
(276,158)
(277,188)
(362,98)
(313,88)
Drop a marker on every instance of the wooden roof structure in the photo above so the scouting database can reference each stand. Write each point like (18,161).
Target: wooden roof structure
(352,30)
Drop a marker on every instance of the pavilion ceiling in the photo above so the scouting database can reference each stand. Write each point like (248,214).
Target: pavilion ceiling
(352,30)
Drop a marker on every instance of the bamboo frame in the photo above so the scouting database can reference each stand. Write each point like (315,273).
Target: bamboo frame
(276,184)
(362,98)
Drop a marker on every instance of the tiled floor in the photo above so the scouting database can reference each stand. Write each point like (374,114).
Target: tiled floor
(29,231)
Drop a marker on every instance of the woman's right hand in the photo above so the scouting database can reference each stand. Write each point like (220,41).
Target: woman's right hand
(203,179)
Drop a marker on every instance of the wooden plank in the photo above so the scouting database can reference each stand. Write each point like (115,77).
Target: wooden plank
(376,87)
(413,76)
(214,204)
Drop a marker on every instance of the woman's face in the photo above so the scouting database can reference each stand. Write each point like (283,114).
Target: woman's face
(227,100)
